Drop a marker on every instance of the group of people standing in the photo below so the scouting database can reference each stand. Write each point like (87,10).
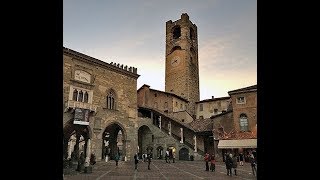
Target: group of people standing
(169,155)
(145,157)
(210,158)
(231,163)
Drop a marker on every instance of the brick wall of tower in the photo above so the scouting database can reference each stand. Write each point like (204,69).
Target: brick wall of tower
(183,79)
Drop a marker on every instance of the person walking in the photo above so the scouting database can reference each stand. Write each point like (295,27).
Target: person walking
(229,164)
(173,157)
(117,157)
(253,164)
(241,159)
(149,160)
(92,159)
(167,156)
(136,161)
(81,161)
(207,159)
(212,163)
(234,164)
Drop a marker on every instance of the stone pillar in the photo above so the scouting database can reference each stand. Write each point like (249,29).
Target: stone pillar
(195,143)
(70,147)
(76,147)
(87,162)
(160,122)
(169,127)
(181,135)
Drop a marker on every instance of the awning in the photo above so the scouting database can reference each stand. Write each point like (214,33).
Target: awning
(239,143)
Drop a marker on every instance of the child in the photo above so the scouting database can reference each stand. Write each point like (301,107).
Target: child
(213,163)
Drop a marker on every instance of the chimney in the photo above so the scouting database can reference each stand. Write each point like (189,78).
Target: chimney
(212,97)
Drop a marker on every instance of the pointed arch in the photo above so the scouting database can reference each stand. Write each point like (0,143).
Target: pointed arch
(176,31)
(111,99)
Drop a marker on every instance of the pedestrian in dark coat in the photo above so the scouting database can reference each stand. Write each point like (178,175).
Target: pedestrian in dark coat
(207,159)
(234,164)
(117,158)
(241,159)
(253,164)
(136,160)
(212,163)
(229,164)
(92,159)
(149,160)
(81,162)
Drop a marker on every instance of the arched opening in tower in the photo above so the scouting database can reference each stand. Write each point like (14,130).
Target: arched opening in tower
(192,34)
(176,32)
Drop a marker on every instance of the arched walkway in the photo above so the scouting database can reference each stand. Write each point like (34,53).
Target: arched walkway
(184,154)
(145,140)
(113,141)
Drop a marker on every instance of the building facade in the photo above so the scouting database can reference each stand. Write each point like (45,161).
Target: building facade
(209,107)
(105,114)
(238,133)
(100,101)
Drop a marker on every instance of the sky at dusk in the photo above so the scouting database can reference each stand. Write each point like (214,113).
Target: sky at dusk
(132,32)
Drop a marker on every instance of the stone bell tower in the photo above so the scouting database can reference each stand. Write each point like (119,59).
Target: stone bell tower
(182,69)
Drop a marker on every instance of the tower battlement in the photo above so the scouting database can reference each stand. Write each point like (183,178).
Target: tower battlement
(126,68)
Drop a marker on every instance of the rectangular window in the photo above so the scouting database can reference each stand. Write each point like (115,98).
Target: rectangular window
(176,104)
(215,111)
(241,100)
(152,138)
(181,106)
(200,117)
(243,124)
(201,107)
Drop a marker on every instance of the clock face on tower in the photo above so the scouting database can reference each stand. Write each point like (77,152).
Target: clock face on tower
(175,61)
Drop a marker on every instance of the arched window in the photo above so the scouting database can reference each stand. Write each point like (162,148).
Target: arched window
(111,100)
(192,34)
(175,48)
(80,96)
(75,95)
(176,32)
(86,97)
(243,122)
(156,105)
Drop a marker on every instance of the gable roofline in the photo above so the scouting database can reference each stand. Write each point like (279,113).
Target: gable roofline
(243,90)
(168,93)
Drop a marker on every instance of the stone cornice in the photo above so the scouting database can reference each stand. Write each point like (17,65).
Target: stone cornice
(88,59)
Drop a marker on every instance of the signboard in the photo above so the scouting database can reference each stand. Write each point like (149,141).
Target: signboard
(81,116)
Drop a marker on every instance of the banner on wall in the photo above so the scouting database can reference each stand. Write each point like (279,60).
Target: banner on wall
(81,116)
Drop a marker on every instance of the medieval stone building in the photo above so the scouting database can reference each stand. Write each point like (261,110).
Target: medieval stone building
(105,114)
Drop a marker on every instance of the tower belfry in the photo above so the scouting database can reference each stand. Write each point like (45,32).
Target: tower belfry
(182,69)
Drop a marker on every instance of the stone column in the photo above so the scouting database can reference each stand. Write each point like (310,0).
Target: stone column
(76,147)
(152,116)
(87,162)
(195,143)
(169,127)
(70,147)
(181,135)
(160,122)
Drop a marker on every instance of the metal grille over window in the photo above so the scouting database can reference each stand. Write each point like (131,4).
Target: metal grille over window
(243,122)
